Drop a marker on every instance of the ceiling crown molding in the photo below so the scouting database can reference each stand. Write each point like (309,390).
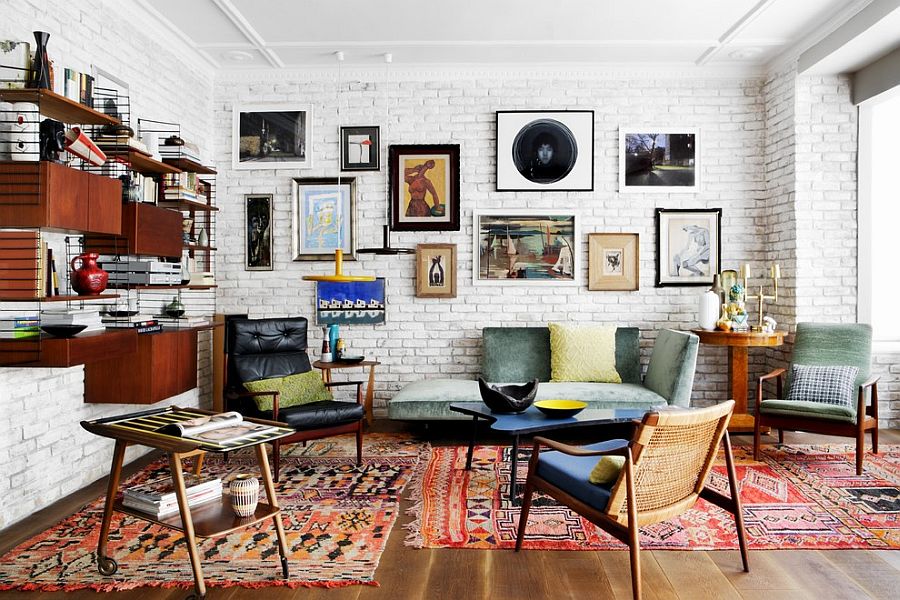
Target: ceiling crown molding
(442,72)
(165,29)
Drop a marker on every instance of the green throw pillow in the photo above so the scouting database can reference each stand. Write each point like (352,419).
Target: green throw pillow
(607,470)
(583,353)
(302,388)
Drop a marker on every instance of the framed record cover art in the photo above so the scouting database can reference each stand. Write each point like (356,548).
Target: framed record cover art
(545,150)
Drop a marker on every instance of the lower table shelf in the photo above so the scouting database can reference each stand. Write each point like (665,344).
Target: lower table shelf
(211,519)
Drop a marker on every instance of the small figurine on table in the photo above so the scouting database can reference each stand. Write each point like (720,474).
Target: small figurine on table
(769,324)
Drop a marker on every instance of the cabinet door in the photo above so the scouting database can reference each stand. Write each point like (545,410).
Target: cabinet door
(105,205)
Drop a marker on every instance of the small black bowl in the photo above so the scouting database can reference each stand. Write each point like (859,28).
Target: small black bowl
(63,331)
(351,360)
(508,398)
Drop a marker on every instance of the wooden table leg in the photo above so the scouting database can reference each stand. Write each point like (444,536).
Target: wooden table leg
(326,375)
(266,475)
(738,359)
(370,395)
(188,523)
(106,565)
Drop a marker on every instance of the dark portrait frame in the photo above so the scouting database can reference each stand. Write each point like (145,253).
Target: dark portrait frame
(398,155)
(572,164)
(256,205)
(374,133)
(666,224)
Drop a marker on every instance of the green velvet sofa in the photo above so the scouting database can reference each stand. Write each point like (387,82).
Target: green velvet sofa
(520,354)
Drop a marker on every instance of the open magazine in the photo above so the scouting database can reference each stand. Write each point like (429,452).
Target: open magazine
(221,428)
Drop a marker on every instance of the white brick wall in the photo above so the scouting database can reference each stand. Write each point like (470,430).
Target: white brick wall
(44,453)
(441,338)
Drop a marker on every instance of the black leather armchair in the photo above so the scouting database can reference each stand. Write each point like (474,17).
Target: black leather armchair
(268,348)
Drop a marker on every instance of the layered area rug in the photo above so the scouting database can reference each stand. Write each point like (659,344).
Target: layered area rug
(337,518)
(796,497)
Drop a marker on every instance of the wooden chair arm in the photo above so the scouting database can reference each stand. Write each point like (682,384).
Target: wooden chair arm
(779,373)
(616,447)
(870,382)
(337,383)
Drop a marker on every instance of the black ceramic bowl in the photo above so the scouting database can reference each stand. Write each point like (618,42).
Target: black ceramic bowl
(560,409)
(351,360)
(508,398)
(175,313)
(63,331)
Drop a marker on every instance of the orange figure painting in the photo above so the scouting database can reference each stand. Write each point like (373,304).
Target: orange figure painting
(426,187)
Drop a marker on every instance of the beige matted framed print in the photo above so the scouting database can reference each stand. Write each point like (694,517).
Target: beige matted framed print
(436,271)
(614,262)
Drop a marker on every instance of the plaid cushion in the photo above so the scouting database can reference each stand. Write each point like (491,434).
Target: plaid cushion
(826,385)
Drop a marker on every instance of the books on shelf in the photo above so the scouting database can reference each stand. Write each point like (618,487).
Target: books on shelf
(73,316)
(157,497)
(218,429)
(138,320)
(22,326)
(191,321)
(24,257)
(120,142)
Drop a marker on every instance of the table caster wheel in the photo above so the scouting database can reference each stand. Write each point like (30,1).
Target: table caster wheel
(107,566)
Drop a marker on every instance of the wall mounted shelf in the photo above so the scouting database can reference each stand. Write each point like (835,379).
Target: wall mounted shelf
(59,107)
(82,349)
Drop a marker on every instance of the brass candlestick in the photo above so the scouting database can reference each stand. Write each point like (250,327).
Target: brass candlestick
(775,275)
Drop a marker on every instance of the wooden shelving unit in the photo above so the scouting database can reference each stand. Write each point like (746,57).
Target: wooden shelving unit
(186,204)
(59,107)
(83,349)
(59,298)
(186,164)
(146,165)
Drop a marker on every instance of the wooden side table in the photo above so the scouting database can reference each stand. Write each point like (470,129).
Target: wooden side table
(370,386)
(738,344)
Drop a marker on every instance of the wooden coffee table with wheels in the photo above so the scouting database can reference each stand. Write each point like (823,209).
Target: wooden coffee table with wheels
(534,421)
(207,520)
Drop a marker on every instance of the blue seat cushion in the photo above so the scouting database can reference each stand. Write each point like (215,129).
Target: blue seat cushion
(570,473)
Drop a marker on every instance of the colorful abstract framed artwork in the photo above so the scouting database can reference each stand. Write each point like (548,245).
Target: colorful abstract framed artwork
(688,246)
(258,232)
(614,261)
(659,159)
(324,218)
(360,148)
(350,302)
(272,136)
(436,271)
(424,187)
(547,150)
(526,247)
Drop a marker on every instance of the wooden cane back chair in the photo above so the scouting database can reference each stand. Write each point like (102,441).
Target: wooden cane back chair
(666,466)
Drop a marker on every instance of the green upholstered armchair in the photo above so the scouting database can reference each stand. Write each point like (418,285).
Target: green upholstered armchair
(818,344)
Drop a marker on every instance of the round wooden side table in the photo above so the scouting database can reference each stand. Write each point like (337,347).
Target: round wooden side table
(738,344)
(326,368)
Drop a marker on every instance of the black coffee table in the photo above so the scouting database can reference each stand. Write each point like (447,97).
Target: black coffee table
(534,421)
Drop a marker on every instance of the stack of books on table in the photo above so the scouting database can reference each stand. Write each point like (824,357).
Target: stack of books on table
(20,326)
(73,316)
(192,321)
(157,497)
(187,151)
(142,323)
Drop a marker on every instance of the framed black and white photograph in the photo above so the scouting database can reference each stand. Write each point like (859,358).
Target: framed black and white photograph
(258,232)
(549,150)
(659,159)
(360,148)
(272,136)
(688,246)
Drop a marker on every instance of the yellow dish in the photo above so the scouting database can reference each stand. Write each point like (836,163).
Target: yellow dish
(560,409)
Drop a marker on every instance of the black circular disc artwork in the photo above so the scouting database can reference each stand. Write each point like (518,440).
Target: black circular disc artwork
(544,151)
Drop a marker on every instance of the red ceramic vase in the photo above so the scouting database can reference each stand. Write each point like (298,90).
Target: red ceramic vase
(88,279)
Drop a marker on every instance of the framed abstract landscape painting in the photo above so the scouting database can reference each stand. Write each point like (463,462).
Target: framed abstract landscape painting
(324,218)
(526,247)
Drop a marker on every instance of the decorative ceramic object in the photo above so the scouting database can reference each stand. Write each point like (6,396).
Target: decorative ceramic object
(186,225)
(326,346)
(203,238)
(88,279)
(175,308)
(23,135)
(508,398)
(244,494)
(724,323)
(709,309)
(40,69)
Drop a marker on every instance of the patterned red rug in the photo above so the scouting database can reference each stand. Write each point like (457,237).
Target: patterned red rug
(796,497)
(337,518)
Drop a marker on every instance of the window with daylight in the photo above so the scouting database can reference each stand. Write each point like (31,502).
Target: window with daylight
(879,215)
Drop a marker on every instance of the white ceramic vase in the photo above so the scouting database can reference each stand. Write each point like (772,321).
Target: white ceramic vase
(244,494)
(709,310)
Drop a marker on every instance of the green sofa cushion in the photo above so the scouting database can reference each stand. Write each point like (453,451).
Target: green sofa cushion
(521,354)
(811,410)
(429,399)
(672,363)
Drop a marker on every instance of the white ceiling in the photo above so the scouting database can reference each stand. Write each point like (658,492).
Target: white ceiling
(241,34)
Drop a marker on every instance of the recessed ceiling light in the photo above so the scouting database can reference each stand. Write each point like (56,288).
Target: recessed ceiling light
(237,56)
(745,53)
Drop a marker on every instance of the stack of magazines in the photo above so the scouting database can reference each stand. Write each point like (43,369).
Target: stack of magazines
(157,497)
(220,428)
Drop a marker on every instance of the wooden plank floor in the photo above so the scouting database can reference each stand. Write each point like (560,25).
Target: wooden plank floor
(446,574)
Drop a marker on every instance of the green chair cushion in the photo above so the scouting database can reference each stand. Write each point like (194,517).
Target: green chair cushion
(811,410)
(302,388)
(833,344)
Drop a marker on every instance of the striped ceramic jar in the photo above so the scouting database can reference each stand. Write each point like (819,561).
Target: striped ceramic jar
(244,494)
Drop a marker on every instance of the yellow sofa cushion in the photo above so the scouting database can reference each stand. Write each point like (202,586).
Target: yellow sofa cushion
(583,353)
